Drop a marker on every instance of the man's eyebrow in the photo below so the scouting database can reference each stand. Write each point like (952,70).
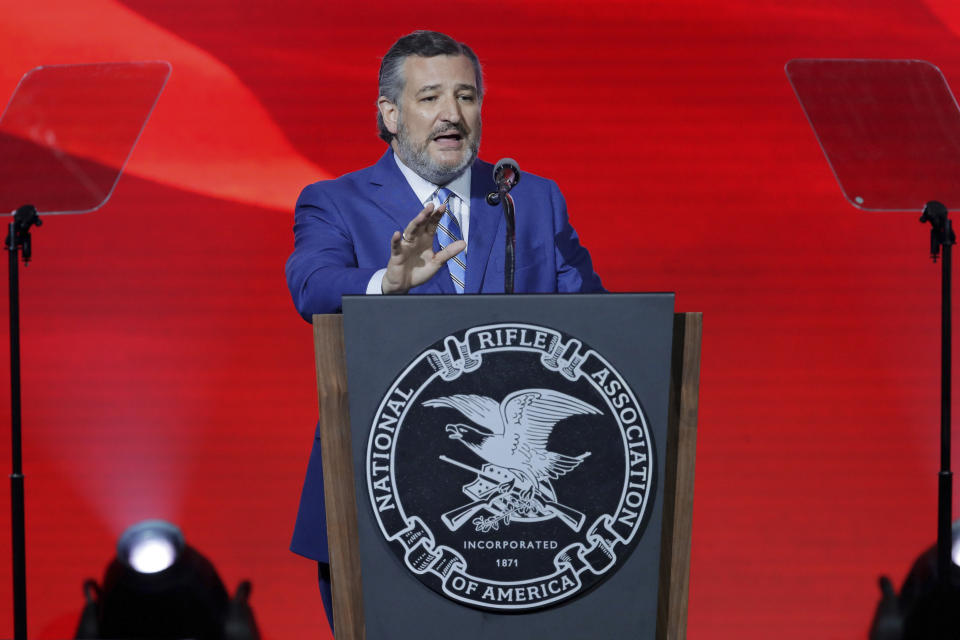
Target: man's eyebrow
(433,87)
(428,87)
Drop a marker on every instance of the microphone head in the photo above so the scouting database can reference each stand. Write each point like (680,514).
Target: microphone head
(506,174)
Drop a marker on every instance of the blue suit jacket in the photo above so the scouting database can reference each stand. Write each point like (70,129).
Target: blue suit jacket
(342,236)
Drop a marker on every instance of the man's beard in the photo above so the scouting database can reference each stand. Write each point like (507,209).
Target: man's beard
(418,158)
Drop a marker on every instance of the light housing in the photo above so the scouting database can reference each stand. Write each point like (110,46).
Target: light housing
(184,599)
(150,546)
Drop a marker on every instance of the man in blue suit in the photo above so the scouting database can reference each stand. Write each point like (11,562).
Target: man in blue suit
(405,224)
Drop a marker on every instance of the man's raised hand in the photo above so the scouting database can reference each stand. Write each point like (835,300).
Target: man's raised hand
(412,259)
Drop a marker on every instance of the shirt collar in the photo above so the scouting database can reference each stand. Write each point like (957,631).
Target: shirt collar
(425,189)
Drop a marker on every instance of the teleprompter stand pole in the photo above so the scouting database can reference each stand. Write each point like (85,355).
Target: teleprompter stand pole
(942,236)
(18,239)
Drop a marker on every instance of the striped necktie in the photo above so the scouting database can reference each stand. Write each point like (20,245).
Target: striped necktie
(449,231)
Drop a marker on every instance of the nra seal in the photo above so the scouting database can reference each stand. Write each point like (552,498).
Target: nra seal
(510,467)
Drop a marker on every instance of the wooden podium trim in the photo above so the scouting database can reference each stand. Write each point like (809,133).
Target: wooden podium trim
(678,473)
(339,493)
(341,500)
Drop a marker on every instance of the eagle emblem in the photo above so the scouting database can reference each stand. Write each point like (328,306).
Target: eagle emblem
(511,437)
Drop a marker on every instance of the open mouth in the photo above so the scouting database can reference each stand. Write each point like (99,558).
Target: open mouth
(449,139)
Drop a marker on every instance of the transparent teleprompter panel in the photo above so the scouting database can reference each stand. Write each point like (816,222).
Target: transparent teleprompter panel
(69,130)
(890,129)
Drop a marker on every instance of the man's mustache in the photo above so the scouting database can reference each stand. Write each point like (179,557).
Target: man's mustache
(455,128)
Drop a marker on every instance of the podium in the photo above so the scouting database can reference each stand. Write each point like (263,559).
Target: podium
(516,467)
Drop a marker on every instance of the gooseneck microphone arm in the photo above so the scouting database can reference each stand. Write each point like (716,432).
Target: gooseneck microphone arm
(509,251)
(506,174)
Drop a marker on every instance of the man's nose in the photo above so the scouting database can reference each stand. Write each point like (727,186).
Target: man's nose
(450,109)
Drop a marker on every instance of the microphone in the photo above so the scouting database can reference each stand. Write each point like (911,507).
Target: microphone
(506,175)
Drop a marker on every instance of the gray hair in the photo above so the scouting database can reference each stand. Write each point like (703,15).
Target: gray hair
(426,44)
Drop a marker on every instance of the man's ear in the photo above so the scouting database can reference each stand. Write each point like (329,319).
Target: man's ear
(390,114)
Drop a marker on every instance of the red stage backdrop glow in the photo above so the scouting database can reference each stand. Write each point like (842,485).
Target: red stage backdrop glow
(166,373)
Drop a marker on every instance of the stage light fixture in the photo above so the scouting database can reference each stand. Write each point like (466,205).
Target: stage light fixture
(150,546)
(955,550)
(927,608)
(159,587)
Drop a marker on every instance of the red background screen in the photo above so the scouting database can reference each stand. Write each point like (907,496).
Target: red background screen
(166,373)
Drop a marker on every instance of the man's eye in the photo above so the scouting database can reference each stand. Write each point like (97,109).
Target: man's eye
(466,98)
(428,98)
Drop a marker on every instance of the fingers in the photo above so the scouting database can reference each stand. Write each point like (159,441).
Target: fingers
(449,251)
(419,225)
(425,223)
(395,240)
(438,212)
(432,219)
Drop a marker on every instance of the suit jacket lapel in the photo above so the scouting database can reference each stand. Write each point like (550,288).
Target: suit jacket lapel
(485,221)
(392,193)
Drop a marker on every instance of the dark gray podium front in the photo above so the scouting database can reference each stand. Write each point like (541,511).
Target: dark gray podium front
(509,457)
